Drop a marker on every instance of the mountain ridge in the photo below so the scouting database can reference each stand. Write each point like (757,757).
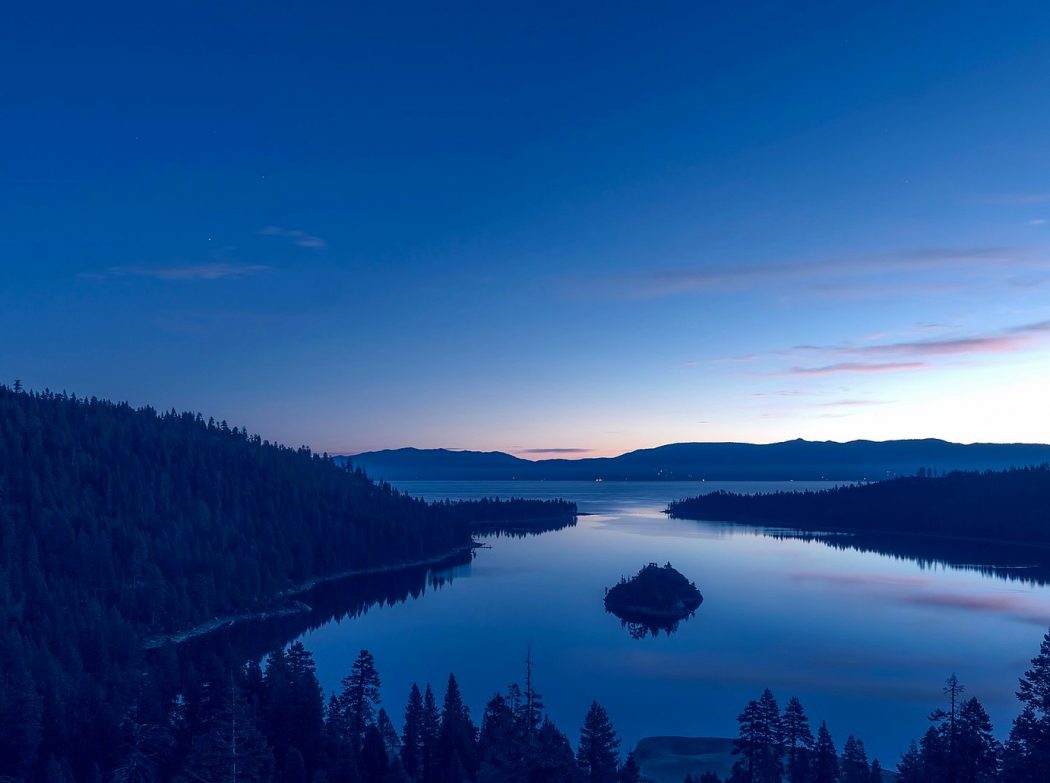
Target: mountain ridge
(797,459)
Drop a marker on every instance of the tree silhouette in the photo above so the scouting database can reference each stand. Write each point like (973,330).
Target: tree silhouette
(598,751)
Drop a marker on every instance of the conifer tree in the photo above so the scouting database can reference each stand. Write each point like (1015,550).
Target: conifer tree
(977,750)
(876,771)
(629,772)
(854,762)
(456,743)
(598,750)
(909,768)
(359,697)
(1026,758)
(798,741)
(231,749)
(430,733)
(825,767)
(412,735)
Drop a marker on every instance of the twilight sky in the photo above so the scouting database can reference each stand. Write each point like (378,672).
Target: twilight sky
(564,229)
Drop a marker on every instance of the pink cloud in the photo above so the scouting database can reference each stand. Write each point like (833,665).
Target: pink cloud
(858,367)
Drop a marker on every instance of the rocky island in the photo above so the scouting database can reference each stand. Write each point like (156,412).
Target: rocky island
(656,598)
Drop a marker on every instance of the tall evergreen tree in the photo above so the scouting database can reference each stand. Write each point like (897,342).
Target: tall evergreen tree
(760,743)
(412,735)
(854,762)
(1027,755)
(496,742)
(231,749)
(456,750)
(598,750)
(876,771)
(825,767)
(359,697)
(798,741)
(630,772)
(977,750)
(909,768)
(430,733)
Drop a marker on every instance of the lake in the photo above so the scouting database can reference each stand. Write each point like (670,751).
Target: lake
(864,639)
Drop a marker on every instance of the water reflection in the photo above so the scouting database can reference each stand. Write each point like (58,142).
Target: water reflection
(641,626)
(328,602)
(1029,565)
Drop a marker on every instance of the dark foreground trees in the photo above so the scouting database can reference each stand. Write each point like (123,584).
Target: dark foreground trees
(119,526)
(270,725)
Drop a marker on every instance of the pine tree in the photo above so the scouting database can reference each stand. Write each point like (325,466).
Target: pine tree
(760,743)
(231,749)
(629,772)
(825,768)
(430,733)
(359,697)
(391,740)
(496,745)
(798,741)
(1027,755)
(854,762)
(876,771)
(909,768)
(412,735)
(598,751)
(977,749)
(456,743)
(373,756)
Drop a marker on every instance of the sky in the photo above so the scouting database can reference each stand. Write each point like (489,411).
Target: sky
(548,229)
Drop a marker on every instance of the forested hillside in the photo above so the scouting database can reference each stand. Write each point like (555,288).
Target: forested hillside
(1012,505)
(117,523)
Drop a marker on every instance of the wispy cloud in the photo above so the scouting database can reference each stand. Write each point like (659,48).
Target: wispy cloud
(1018,199)
(1037,222)
(300,238)
(209,271)
(848,403)
(913,270)
(857,367)
(1003,341)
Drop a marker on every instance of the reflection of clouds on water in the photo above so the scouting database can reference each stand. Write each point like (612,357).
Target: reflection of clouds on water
(1017,605)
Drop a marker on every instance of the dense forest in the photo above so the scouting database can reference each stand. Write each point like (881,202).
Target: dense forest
(272,724)
(1012,505)
(117,524)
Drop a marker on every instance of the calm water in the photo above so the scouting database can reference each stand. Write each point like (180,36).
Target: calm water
(864,639)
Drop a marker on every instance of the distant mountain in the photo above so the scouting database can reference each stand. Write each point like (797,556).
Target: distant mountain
(795,459)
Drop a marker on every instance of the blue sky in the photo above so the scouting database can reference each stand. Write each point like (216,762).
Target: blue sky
(528,228)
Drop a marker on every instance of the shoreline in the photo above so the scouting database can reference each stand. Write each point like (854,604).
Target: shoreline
(296,607)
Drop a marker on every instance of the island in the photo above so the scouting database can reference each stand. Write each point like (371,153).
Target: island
(656,598)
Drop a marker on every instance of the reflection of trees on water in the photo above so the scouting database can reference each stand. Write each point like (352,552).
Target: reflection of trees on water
(1030,565)
(339,600)
(641,626)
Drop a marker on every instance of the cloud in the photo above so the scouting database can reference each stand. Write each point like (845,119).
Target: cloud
(1037,222)
(857,367)
(842,275)
(1003,341)
(210,271)
(300,238)
(848,403)
(555,451)
(1017,199)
